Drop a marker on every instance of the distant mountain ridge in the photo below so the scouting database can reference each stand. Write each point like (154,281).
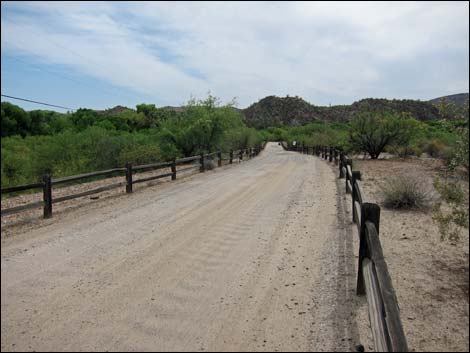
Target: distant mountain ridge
(295,111)
(458,99)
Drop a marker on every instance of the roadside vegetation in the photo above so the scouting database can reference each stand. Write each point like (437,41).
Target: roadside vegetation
(38,142)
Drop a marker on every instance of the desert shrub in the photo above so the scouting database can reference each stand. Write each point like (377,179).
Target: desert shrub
(401,151)
(405,192)
(209,163)
(434,148)
(451,212)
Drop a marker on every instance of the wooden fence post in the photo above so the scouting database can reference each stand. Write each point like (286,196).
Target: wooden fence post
(219,155)
(47,196)
(370,212)
(330,159)
(231,156)
(348,162)
(201,160)
(128,178)
(341,165)
(173,169)
(356,175)
(240,155)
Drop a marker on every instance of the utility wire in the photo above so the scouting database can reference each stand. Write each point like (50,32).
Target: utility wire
(60,75)
(96,64)
(28,100)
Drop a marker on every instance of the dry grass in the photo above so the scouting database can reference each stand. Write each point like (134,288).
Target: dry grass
(406,192)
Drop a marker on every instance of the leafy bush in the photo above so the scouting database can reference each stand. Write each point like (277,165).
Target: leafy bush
(373,132)
(87,140)
(452,211)
(434,148)
(405,192)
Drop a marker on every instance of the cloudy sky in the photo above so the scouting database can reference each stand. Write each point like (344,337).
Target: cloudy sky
(98,55)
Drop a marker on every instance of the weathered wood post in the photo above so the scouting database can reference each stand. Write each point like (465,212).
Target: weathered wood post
(370,212)
(201,160)
(231,156)
(341,165)
(128,178)
(47,196)
(219,155)
(240,155)
(356,175)
(348,162)
(336,157)
(173,169)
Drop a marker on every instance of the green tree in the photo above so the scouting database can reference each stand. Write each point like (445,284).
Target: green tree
(372,132)
(15,121)
(84,118)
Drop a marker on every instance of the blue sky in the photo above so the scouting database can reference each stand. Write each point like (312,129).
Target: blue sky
(102,54)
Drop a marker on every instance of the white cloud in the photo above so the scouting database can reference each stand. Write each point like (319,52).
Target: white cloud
(325,52)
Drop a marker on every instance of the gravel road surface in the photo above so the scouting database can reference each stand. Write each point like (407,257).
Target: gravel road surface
(248,257)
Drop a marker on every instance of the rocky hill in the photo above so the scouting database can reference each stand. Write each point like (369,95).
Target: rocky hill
(295,111)
(458,99)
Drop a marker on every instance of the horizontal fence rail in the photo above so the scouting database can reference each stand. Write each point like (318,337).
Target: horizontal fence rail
(373,278)
(129,172)
(86,175)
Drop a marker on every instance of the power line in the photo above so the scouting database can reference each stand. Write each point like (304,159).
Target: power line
(96,64)
(28,100)
(61,76)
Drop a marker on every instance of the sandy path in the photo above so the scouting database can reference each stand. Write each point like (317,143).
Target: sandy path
(243,258)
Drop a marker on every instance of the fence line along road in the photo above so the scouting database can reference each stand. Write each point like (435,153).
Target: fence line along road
(373,278)
(129,171)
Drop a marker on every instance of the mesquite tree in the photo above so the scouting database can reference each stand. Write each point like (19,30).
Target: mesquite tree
(372,132)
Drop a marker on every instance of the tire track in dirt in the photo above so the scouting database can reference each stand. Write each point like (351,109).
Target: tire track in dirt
(207,266)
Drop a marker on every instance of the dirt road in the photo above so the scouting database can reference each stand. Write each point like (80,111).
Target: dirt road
(247,257)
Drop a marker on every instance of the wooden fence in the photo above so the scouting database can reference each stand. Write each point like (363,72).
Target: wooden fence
(373,278)
(129,171)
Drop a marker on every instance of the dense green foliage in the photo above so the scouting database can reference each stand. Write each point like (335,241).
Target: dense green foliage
(38,142)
